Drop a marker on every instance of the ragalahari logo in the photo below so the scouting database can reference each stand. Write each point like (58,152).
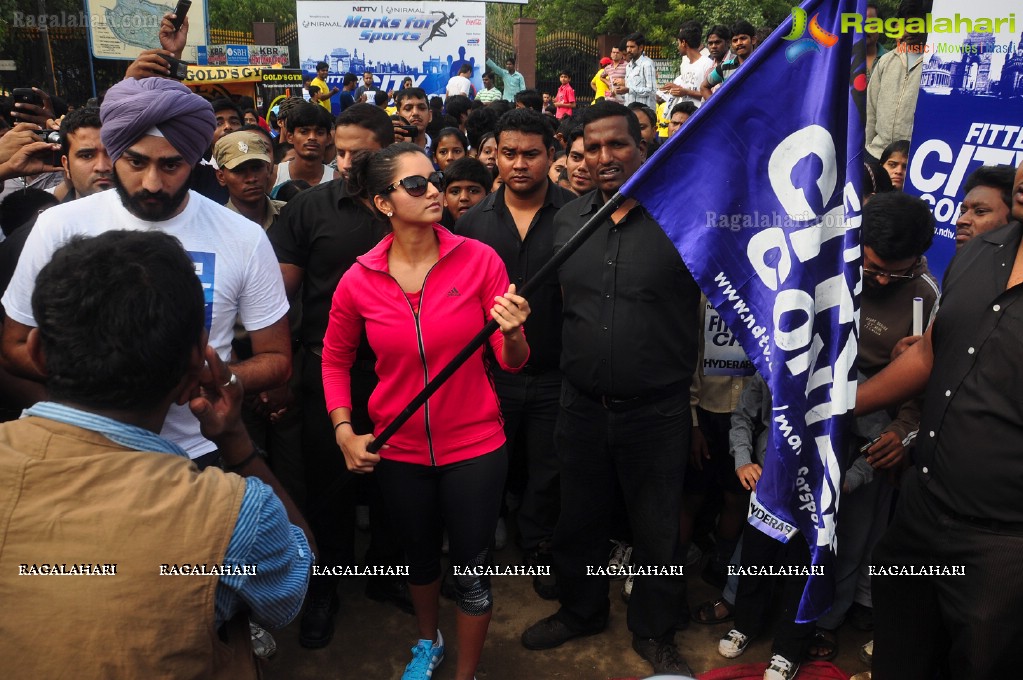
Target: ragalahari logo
(801,45)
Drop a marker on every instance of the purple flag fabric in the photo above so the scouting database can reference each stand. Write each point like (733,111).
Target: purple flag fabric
(760,193)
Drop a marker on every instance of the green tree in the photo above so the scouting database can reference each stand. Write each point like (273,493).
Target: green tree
(238,15)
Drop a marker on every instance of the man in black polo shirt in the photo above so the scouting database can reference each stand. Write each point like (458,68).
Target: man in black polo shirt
(960,514)
(517,221)
(317,237)
(629,345)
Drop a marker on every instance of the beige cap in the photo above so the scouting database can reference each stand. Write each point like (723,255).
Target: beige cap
(235,148)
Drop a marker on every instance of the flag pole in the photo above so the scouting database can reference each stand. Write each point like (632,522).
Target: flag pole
(545,272)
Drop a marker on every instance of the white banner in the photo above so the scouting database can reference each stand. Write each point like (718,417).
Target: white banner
(426,41)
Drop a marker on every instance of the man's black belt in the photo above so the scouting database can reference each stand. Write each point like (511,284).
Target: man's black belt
(620,404)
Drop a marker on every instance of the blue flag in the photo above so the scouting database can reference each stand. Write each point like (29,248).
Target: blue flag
(760,193)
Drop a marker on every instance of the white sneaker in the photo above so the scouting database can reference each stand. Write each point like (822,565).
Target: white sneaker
(733,644)
(781,668)
(263,644)
(627,588)
(867,653)
(621,555)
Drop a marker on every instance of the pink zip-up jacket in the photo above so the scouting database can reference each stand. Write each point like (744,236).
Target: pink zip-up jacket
(462,419)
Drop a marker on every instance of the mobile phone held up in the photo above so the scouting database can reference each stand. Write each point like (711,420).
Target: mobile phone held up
(180,11)
(26,95)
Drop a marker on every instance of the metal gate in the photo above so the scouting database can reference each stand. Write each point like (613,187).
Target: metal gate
(572,52)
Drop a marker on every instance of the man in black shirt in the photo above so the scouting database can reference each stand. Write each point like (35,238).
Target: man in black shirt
(518,222)
(317,237)
(959,520)
(629,341)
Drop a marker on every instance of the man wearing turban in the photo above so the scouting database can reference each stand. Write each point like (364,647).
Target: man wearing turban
(155,129)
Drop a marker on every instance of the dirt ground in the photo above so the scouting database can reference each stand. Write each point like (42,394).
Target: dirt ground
(373,640)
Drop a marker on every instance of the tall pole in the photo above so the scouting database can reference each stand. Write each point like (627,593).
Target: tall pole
(88,47)
(47,54)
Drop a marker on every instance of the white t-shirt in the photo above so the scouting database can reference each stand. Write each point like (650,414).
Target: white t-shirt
(459,85)
(691,76)
(284,175)
(233,259)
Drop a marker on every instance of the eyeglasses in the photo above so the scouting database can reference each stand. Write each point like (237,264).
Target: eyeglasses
(416,185)
(908,275)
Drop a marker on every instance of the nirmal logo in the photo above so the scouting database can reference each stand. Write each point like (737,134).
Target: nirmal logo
(800,45)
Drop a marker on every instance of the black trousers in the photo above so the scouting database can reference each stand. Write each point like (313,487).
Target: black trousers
(529,406)
(645,450)
(950,626)
(330,488)
(753,597)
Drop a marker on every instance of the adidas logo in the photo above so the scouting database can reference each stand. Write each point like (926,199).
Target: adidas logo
(453,292)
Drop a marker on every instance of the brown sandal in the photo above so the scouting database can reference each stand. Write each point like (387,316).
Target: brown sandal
(707,613)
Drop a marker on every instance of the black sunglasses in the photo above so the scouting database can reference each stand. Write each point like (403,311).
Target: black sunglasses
(415,185)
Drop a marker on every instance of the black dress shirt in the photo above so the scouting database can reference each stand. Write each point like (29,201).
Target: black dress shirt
(970,445)
(630,305)
(490,222)
(323,230)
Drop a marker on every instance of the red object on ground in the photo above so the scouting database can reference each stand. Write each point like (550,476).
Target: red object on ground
(816,670)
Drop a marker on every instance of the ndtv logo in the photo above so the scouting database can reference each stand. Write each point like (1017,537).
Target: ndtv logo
(364,8)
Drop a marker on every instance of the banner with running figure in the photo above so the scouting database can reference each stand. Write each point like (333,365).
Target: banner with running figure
(760,193)
(425,41)
(969,112)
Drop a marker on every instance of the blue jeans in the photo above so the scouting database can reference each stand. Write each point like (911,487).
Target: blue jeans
(645,450)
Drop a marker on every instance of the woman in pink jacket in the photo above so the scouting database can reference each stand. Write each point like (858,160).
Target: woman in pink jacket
(420,295)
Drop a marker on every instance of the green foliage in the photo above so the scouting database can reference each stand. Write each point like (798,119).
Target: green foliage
(658,19)
(238,15)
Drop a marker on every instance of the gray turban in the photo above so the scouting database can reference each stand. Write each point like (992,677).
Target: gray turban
(133,107)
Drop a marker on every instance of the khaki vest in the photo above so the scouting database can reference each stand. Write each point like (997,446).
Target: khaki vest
(69,496)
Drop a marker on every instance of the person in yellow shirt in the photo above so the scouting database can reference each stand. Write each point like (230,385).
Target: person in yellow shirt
(597,84)
(320,81)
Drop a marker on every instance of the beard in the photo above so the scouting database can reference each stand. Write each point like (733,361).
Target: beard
(876,291)
(138,204)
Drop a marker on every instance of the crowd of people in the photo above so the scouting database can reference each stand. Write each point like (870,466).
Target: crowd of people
(259,294)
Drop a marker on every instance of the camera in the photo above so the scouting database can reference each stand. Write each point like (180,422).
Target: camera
(50,136)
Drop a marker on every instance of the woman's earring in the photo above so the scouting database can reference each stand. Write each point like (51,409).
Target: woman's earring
(390,214)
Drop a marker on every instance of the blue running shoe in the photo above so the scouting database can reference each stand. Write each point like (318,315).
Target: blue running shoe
(426,656)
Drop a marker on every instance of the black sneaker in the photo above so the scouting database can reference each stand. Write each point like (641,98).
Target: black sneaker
(317,626)
(552,632)
(390,590)
(662,655)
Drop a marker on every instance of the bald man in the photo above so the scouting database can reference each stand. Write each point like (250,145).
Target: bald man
(154,130)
